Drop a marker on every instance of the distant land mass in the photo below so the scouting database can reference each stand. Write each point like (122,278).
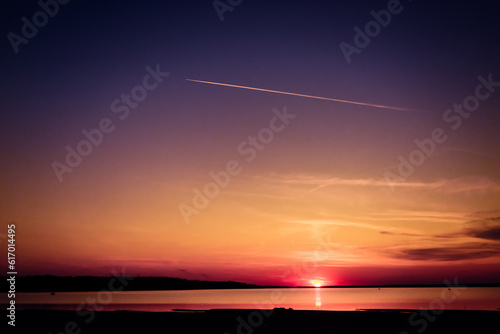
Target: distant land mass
(49,283)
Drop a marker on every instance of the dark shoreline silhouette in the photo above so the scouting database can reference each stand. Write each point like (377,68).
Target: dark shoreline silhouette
(48,283)
(257,321)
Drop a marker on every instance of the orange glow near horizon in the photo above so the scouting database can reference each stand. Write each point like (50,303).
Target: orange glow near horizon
(255,232)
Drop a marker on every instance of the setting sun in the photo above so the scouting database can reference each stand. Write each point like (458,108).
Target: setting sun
(317,284)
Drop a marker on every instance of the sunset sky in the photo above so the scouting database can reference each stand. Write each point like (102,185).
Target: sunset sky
(310,198)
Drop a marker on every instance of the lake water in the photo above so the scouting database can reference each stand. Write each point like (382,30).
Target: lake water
(298,299)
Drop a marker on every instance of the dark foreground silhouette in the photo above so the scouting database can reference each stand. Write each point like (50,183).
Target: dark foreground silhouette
(256,321)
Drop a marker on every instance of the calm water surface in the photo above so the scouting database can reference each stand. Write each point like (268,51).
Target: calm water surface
(298,299)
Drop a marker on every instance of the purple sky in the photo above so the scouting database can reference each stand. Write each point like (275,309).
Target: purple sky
(343,191)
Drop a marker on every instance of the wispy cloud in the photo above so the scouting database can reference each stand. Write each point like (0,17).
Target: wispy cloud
(339,223)
(458,245)
(484,214)
(458,253)
(401,233)
(464,150)
(457,185)
(419,215)
(488,229)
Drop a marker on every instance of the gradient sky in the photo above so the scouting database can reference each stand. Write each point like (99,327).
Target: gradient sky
(314,203)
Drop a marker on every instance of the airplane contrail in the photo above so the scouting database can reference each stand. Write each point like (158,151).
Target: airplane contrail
(303,95)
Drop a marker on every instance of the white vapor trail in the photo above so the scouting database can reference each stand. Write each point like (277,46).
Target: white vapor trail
(303,95)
